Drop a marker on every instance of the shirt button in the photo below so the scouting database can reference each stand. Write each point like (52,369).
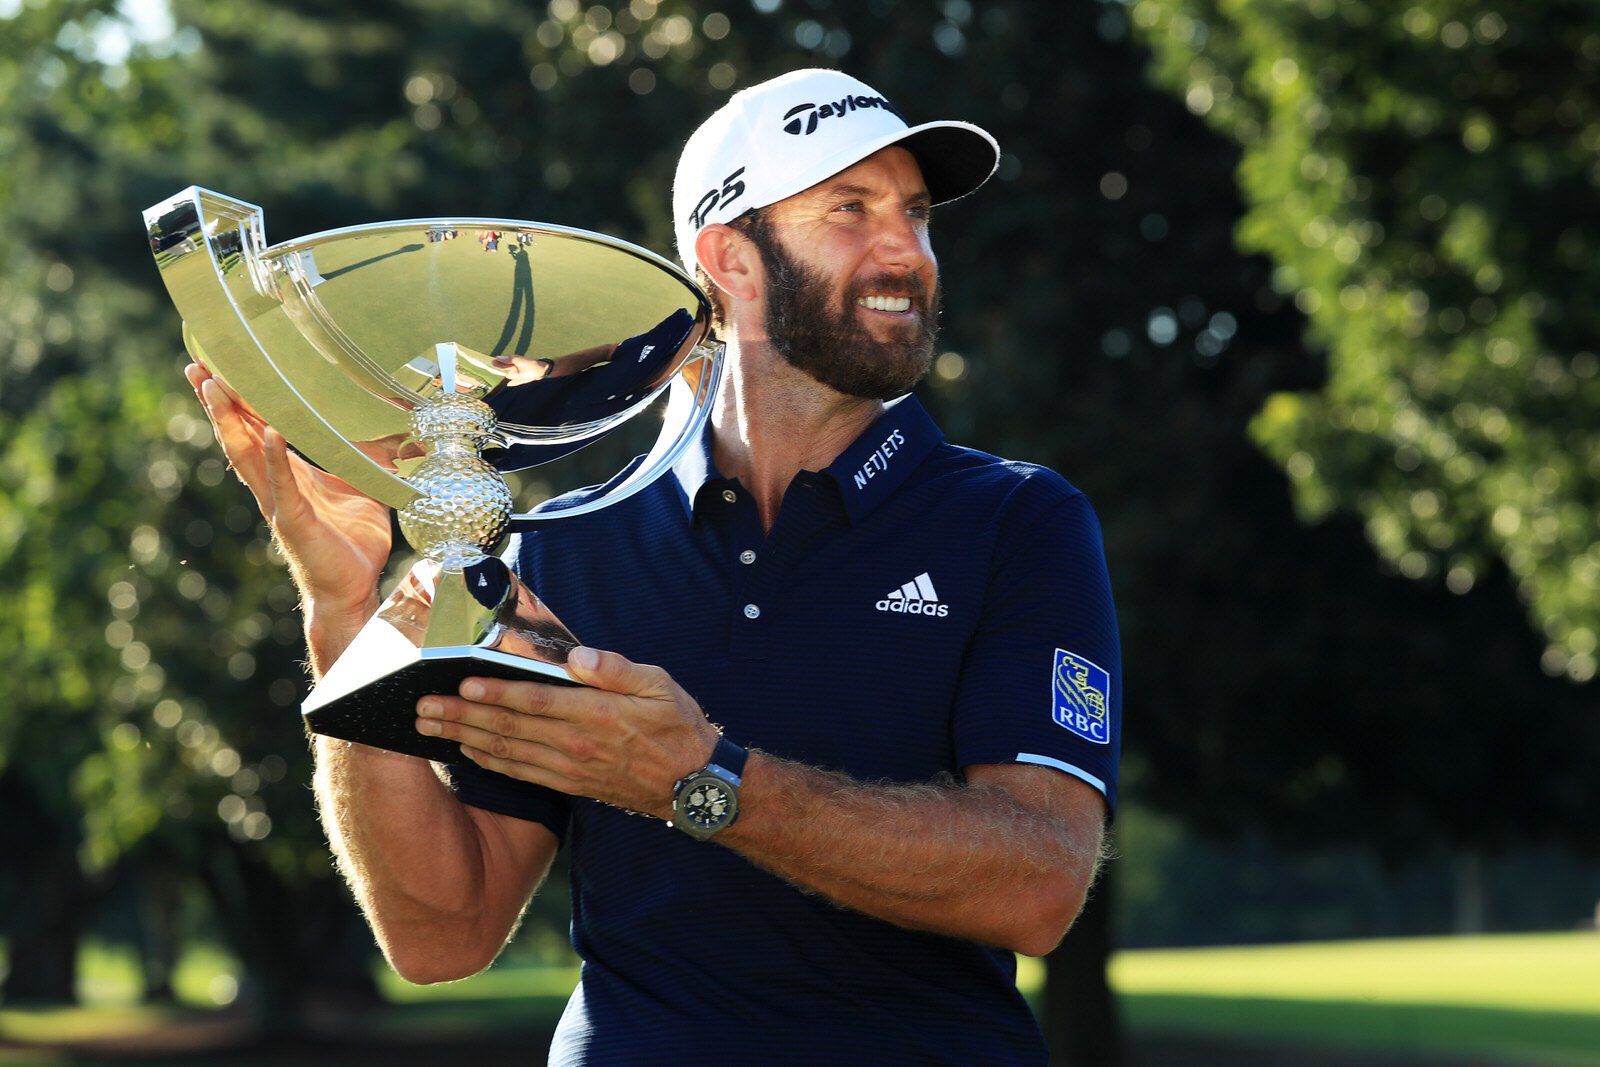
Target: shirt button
(747,556)
(751,611)
(729,495)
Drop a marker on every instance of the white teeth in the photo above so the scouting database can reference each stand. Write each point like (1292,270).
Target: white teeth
(885,303)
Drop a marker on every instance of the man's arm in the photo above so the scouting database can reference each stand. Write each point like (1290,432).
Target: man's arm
(442,884)
(1005,858)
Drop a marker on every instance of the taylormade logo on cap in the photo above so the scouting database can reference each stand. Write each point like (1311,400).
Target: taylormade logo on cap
(781,137)
(803,118)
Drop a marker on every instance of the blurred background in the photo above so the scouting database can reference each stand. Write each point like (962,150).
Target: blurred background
(1300,293)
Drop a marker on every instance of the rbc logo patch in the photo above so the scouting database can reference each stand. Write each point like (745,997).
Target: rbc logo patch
(1081,695)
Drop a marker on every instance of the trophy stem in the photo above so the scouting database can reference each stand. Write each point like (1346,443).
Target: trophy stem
(465,504)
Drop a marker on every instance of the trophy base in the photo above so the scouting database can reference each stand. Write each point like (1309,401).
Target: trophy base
(381,711)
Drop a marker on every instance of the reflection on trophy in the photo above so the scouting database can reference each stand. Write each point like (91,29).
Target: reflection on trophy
(418,360)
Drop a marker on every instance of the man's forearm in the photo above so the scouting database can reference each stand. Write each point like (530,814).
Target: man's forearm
(373,804)
(1005,859)
(442,885)
(414,856)
(383,815)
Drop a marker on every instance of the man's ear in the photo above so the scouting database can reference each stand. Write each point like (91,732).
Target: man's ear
(731,259)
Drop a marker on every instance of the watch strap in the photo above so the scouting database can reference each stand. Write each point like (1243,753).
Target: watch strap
(730,758)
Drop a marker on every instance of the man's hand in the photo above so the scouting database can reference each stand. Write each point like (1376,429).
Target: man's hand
(335,539)
(626,739)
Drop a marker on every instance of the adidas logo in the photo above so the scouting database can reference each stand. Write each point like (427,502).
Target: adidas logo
(916,597)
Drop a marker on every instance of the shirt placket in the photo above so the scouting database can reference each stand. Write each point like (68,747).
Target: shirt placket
(754,578)
(763,563)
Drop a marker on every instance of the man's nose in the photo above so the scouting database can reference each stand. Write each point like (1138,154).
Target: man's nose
(902,243)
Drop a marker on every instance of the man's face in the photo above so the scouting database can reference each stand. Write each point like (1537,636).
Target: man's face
(852,290)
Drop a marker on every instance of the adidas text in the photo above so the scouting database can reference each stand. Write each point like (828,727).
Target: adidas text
(914,607)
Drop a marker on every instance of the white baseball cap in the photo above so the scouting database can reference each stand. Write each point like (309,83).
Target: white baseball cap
(782,136)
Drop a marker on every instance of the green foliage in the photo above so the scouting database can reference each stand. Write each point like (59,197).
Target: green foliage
(1097,319)
(1423,176)
(152,683)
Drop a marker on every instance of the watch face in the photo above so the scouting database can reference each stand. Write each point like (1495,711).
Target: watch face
(706,803)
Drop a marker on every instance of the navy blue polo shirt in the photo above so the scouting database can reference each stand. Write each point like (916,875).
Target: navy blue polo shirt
(916,608)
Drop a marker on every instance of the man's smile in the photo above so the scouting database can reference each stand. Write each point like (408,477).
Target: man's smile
(898,304)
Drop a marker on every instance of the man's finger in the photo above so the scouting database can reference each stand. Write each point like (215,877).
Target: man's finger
(288,501)
(525,697)
(497,730)
(239,441)
(616,673)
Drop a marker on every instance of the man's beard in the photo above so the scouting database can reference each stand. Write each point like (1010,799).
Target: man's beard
(830,344)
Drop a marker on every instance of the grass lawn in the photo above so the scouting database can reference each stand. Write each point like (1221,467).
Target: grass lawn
(502,1004)
(1525,998)
(507,993)
(1528,999)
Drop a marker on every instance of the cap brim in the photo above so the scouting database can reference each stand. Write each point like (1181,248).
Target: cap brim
(956,157)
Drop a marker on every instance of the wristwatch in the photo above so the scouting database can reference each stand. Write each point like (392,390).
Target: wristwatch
(708,800)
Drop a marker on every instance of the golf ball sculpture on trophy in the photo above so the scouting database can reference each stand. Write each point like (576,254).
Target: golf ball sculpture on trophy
(417,360)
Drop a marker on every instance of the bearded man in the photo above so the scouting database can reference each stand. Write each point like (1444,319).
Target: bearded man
(908,650)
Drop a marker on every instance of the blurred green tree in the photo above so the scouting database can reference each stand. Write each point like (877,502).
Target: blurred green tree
(151,731)
(1098,319)
(1279,683)
(1423,176)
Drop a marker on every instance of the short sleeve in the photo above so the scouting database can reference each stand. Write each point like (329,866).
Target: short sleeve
(1042,676)
(500,793)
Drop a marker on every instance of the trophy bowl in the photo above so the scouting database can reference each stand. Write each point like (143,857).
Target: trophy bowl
(418,360)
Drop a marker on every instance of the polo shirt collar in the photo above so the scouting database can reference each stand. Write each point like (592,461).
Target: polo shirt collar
(694,468)
(867,472)
(881,459)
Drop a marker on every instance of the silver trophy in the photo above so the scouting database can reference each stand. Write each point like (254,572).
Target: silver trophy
(417,360)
